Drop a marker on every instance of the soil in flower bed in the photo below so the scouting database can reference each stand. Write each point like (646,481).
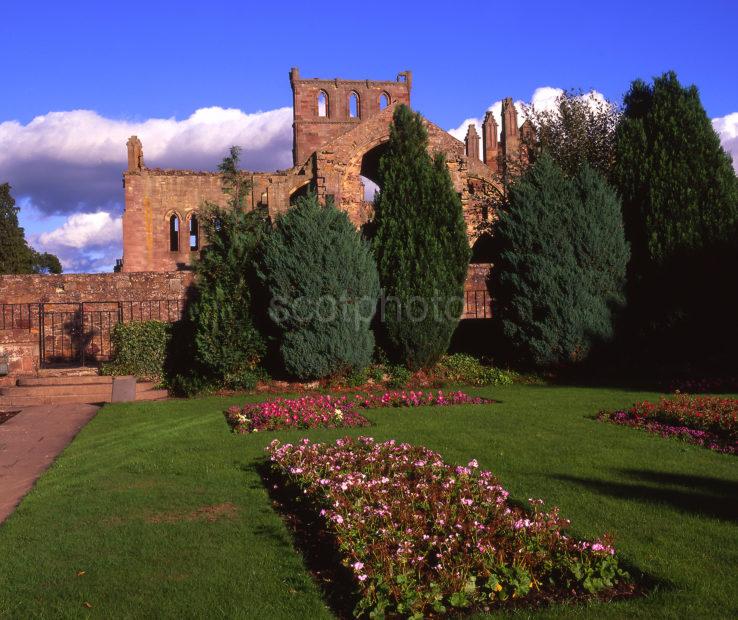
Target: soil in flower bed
(707,421)
(6,415)
(334,411)
(410,536)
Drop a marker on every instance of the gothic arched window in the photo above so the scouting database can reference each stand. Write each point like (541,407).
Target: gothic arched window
(322,103)
(174,233)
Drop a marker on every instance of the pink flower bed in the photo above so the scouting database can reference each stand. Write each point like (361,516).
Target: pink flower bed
(707,421)
(333,412)
(422,537)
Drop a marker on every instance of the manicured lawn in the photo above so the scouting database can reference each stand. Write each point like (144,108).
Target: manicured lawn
(163,509)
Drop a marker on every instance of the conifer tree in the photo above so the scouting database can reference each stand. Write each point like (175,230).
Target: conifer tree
(226,338)
(560,269)
(677,183)
(323,287)
(421,245)
(680,203)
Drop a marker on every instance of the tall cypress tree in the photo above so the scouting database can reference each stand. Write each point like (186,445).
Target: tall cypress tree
(680,203)
(560,269)
(678,186)
(421,245)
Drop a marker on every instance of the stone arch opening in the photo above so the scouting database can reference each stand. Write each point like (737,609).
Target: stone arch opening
(384,101)
(194,232)
(369,170)
(300,192)
(354,105)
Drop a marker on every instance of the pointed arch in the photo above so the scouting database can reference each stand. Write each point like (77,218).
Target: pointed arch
(384,100)
(193,229)
(174,226)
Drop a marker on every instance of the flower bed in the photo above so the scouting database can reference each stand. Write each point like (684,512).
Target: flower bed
(704,420)
(333,412)
(422,537)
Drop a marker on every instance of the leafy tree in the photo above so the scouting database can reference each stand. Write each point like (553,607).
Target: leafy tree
(560,269)
(421,245)
(323,284)
(580,128)
(680,202)
(15,254)
(43,262)
(226,338)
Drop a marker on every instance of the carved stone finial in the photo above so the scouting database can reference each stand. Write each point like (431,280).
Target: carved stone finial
(135,154)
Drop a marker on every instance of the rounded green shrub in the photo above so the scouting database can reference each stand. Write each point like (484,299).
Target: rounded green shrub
(323,286)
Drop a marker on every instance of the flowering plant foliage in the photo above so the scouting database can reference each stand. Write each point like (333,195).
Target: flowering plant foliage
(331,411)
(708,421)
(423,537)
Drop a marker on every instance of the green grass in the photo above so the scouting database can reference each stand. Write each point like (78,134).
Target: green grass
(126,504)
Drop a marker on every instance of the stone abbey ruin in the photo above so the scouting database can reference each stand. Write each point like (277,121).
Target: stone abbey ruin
(340,131)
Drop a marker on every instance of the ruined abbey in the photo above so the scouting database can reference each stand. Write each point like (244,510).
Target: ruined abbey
(340,130)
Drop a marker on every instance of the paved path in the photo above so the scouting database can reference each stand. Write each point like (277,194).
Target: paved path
(29,443)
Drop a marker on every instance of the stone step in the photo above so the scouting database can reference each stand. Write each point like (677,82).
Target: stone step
(58,390)
(66,380)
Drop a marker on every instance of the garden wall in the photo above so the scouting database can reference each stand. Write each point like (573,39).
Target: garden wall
(48,319)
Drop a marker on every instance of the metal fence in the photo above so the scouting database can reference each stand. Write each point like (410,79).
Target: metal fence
(81,332)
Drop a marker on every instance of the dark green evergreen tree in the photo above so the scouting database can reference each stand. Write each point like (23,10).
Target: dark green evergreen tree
(323,286)
(677,183)
(680,202)
(560,269)
(16,256)
(227,341)
(419,238)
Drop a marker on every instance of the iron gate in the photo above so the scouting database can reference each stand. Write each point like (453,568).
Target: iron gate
(81,333)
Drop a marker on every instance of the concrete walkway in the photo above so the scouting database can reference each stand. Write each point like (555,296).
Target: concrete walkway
(29,443)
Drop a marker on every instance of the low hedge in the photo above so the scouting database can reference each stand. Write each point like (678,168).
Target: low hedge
(140,349)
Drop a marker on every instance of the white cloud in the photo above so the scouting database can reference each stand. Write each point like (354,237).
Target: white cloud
(727,129)
(84,242)
(70,161)
(83,230)
(70,164)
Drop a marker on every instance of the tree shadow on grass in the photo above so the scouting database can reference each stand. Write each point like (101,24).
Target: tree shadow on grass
(700,495)
(310,537)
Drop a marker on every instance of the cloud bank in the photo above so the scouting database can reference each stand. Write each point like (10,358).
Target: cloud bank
(70,163)
(65,167)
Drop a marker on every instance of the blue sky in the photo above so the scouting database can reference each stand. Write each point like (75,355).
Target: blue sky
(130,62)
